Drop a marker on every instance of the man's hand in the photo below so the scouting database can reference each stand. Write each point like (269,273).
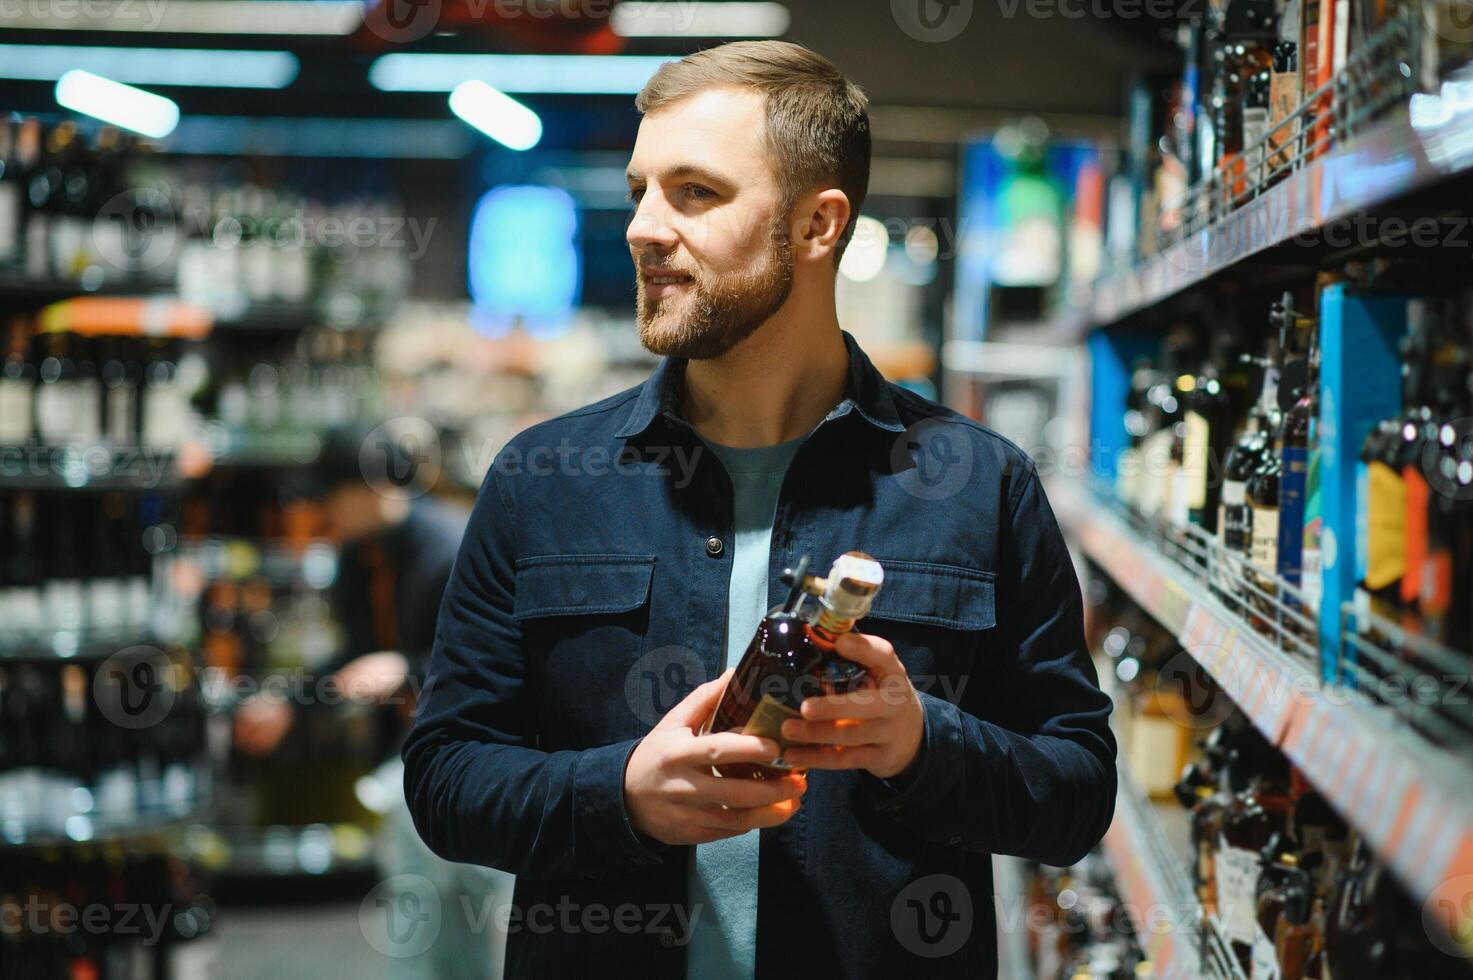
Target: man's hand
(261,723)
(877,728)
(673,796)
(373,677)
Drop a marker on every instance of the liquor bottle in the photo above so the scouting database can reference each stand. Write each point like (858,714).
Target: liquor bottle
(68,396)
(12,192)
(1381,521)
(1239,95)
(1252,820)
(1297,385)
(792,658)
(121,382)
(17,386)
(25,615)
(43,197)
(1283,94)
(166,415)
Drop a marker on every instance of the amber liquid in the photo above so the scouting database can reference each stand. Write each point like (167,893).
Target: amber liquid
(787,662)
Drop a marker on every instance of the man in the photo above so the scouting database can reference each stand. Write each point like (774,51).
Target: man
(396,548)
(640,539)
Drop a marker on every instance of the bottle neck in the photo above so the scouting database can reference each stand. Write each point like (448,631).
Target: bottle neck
(828,627)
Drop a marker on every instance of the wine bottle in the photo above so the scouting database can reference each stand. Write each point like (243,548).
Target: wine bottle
(792,658)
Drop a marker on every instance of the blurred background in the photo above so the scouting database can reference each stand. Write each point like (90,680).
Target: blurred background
(278,278)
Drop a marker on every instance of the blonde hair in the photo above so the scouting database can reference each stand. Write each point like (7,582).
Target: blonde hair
(817,120)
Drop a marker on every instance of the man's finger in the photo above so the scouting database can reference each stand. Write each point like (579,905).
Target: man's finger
(748,793)
(844,732)
(719,748)
(873,652)
(871,702)
(832,756)
(697,706)
(753,818)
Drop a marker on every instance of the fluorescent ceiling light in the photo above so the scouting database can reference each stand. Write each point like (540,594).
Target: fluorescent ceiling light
(326,17)
(496,114)
(682,18)
(116,103)
(151,66)
(569,74)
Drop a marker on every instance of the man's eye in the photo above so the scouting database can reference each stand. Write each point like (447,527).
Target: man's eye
(698,192)
(634,195)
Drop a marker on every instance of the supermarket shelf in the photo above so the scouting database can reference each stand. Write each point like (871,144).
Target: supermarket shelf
(18,829)
(1418,145)
(287,851)
(1412,801)
(19,291)
(1170,923)
(73,644)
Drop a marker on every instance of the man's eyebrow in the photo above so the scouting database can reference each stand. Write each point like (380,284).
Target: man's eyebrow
(678,172)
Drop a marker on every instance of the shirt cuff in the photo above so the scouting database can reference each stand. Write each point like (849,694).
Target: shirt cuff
(936,769)
(598,803)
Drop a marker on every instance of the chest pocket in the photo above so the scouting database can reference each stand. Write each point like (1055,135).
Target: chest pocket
(584,621)
(938,617)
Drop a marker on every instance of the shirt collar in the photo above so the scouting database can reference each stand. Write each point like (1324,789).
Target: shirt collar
(866,393)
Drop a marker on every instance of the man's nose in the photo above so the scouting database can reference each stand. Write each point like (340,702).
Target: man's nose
(649,230)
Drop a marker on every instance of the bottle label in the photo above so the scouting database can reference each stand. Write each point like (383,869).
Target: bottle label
(1265,958)
(1385,525)
(120,415)
(9,221)
(767,720)
(1265,541)
(1237,891)
(1194,461)
(1291,511)
(15,412)
(1414,533)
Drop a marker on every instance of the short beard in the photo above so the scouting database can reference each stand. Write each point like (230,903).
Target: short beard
(723,311)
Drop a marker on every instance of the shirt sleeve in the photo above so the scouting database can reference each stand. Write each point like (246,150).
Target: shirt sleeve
(1031,770)
(478,789)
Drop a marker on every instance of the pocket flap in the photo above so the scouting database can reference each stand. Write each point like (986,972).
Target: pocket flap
(571,585)
(935,594)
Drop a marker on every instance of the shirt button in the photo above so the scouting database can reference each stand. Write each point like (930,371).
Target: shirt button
(714,547)
(954,840)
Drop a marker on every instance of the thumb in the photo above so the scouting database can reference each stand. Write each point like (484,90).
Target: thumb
(697,705)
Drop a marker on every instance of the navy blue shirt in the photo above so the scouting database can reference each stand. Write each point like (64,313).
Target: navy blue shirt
(590,595)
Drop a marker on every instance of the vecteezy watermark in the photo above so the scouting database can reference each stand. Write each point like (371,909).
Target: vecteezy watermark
(933,459)
(136,687)
(569,459)
(1193,699)
(403,917)
(1451,20)
(932,916)
(78,465)
(1447,916)
(403,21)
(35,917)
(144,15)
(1447,460)
(1097,10)
(932,21)
(660,679)
(141,229)
(401,458)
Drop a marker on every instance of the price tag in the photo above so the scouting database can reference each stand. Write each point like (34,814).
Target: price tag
(1237,890)
(1265,957)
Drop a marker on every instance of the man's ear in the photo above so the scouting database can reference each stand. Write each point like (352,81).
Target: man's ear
(822,219)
